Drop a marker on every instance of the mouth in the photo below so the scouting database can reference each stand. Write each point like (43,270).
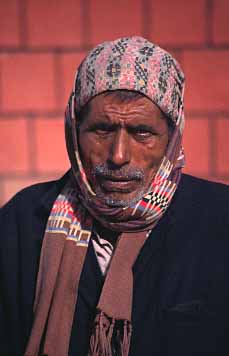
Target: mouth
(118,184)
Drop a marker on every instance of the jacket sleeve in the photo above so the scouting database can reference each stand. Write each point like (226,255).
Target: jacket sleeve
(21,233)
(10,338)
(22,226)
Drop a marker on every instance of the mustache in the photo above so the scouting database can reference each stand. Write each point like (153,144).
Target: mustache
(103,171)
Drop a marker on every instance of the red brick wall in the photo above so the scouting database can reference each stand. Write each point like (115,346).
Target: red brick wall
(41,44)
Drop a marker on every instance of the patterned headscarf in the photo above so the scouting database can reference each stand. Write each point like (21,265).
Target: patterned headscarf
(132,64)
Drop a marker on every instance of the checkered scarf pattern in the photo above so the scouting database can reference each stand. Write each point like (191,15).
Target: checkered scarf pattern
(69,218)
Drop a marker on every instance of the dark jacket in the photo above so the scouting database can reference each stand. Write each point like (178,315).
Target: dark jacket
(181,276)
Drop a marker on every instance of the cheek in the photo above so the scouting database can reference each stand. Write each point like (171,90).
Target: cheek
(148,162)
(149,156)
(92,151)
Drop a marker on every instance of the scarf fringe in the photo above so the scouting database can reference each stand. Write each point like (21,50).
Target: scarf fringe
(101,338)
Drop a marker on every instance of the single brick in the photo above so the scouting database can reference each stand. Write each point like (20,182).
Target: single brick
(50,145)
(207,79)
(69,63)
(14,147)
(222,144)
(178,22)
(9,20)
(220,28)
(57,23)
(113,19)
(28,82)
(196,146)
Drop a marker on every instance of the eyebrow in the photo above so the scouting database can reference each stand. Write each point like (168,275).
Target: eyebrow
(140,126)
(112,126)
(105,120)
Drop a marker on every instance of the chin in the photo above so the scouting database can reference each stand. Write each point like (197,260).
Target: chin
(120,202)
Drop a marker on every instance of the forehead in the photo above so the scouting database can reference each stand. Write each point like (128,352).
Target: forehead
(114,107)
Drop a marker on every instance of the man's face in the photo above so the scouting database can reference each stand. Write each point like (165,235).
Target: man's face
(121,146)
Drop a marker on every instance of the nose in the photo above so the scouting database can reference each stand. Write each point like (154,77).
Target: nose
(120,149)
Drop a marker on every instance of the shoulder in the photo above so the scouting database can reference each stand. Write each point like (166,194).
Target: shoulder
(202,190)
(30,198)
(24,217)
(202,201)
(27,197)
(35,193)
(31,193)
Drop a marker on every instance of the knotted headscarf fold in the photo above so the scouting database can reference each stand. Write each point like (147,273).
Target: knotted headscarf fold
(131,64)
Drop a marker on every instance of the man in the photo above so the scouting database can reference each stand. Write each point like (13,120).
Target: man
(123,255)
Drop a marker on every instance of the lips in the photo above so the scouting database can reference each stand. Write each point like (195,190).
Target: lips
(118,184)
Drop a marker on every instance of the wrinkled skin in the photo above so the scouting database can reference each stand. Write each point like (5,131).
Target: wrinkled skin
(121,146)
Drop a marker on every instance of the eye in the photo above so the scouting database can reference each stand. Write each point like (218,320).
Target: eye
(103,130)
(144,133)
(141,133)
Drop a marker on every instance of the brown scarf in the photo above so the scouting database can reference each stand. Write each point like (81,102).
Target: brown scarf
(61,263)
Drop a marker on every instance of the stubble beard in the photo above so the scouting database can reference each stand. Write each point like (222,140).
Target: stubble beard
(137,174)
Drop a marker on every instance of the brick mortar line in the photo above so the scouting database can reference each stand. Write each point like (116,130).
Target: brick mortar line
(58,80)
(50,49)
(58,115)
(146,18)
(86,34)
(23,26)
(217,114)
(209,22)
(31,115)
(87,47)
(195,47)
(32,148)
